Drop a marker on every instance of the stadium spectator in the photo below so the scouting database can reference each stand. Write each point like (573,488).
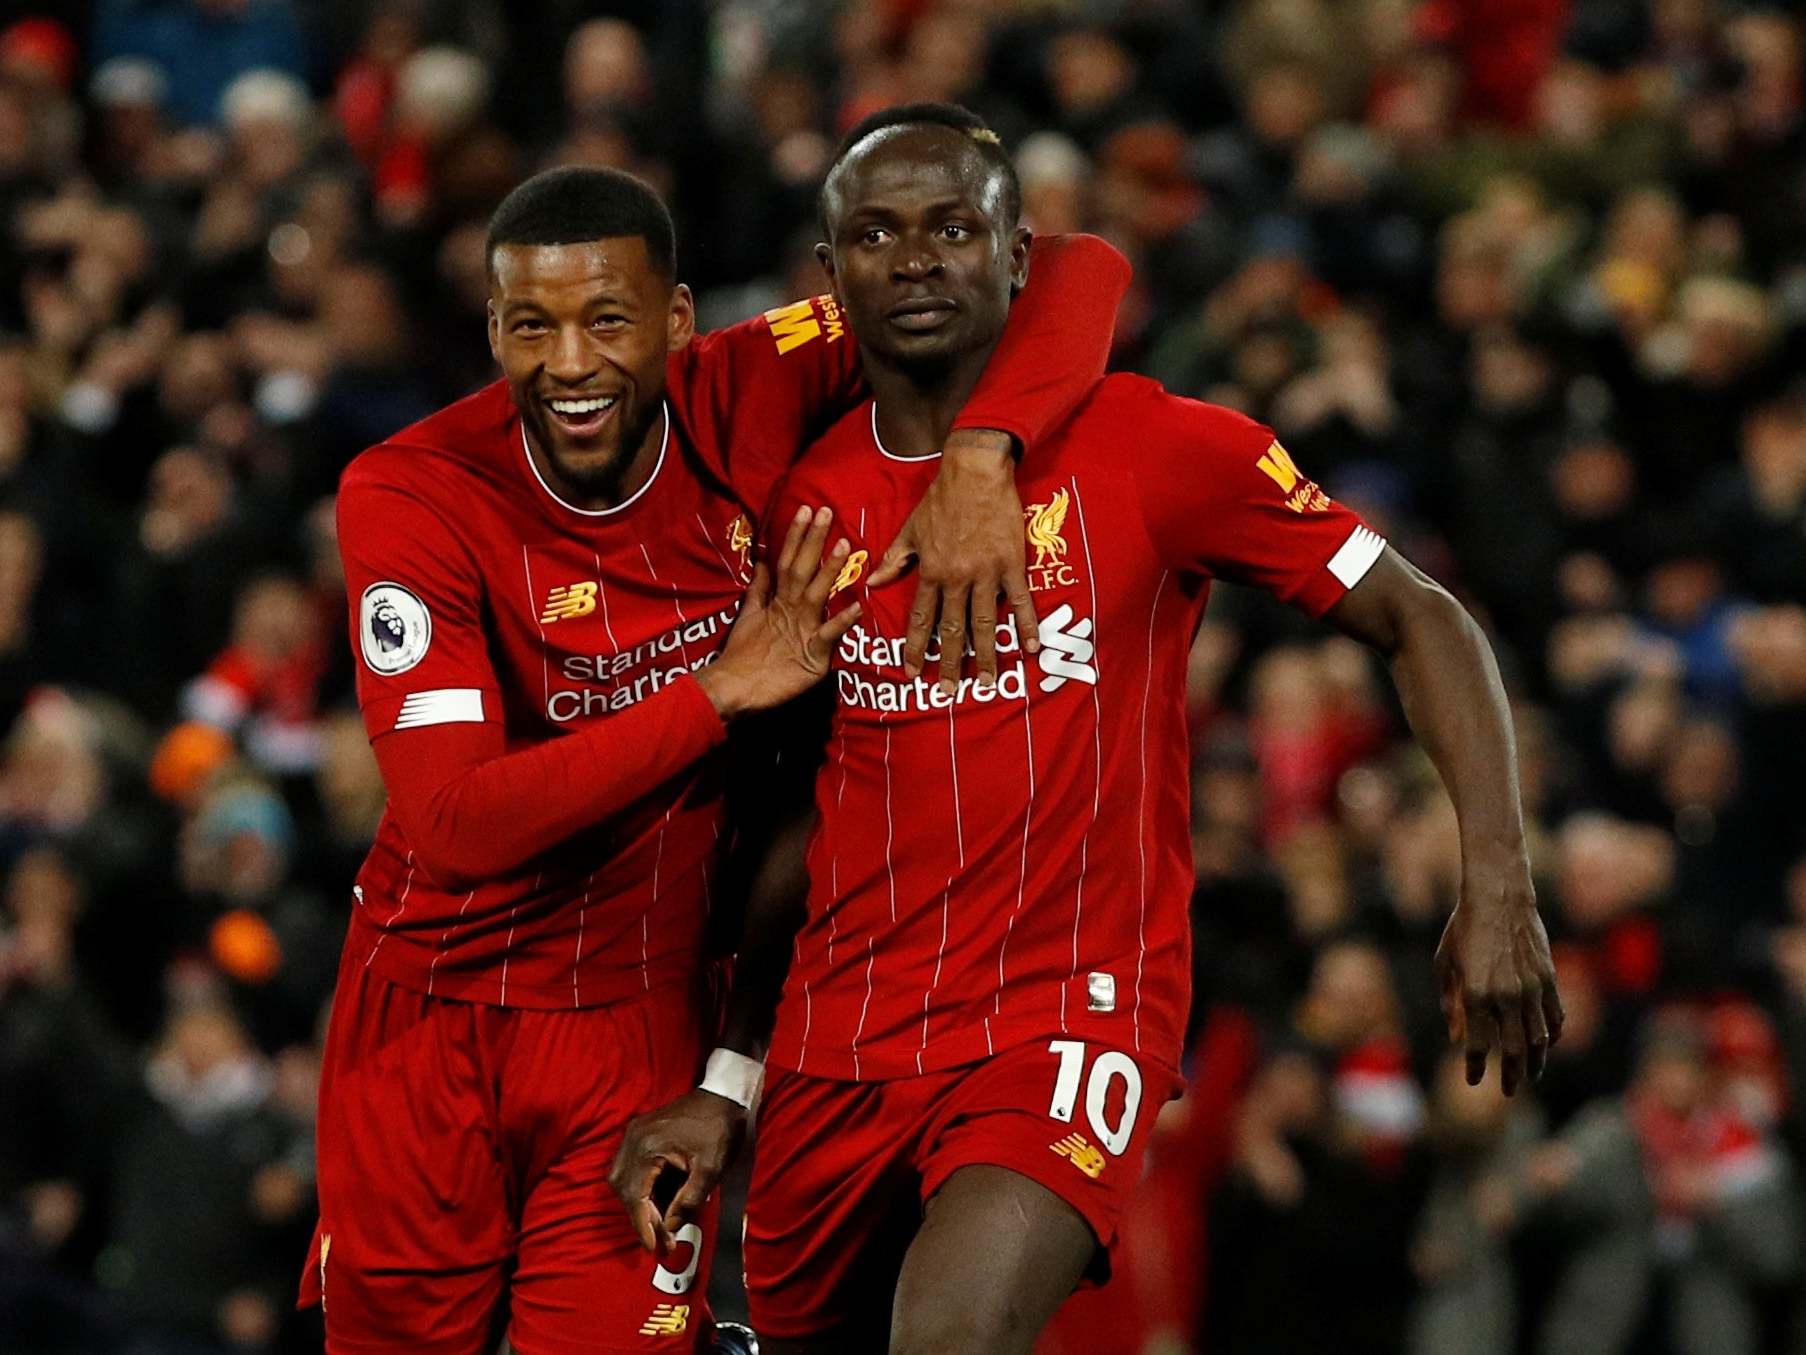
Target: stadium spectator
(188,1251)
(203,45)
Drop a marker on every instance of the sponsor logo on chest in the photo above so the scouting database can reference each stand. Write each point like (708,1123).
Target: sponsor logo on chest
(605,681)
(869,666)
(629,642)
(870,658)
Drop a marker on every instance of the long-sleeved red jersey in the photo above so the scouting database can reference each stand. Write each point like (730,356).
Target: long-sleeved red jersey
(524,666)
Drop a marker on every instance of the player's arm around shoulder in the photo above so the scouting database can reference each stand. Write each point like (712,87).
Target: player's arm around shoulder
(966,534)
(751,395)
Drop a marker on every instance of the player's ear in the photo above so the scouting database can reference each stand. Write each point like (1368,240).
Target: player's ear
(1021,239)
(494,326)
(680,323)
(824,255)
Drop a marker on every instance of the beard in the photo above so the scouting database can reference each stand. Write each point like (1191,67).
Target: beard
(600,474)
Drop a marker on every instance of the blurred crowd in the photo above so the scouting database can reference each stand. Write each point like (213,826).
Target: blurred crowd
(1522,280)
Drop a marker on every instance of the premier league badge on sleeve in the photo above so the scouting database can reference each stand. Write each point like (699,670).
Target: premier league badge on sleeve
(395,627)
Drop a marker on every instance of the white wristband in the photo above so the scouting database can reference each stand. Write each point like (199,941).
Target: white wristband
(736,1077)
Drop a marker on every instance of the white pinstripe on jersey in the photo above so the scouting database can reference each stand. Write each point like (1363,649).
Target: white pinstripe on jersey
(717,549)
(545,658)
(1097,756)
(1028,814)
(589,882)
(890,827)
(864,1007)
(1141,833)
(959,839)
(400,908)
(545,678)
(658,858)
(445,936)
(614,645)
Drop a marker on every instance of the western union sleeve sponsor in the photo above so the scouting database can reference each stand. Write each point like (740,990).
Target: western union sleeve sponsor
(800,322)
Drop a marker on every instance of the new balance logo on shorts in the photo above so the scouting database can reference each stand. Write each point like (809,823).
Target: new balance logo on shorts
(668,1319)
(1077,1149)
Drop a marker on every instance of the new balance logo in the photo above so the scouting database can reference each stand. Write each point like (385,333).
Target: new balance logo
(1066,649)
(1078,1150)
(850,572)
(668,1319)
(568,601)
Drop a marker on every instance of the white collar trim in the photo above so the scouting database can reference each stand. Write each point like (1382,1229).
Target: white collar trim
(664,445)
(885,451)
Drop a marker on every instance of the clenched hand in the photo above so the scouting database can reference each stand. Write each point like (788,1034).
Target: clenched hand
(698,1135)
(1498,982)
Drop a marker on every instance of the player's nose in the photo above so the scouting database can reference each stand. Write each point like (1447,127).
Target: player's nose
(915,263)
(572,359)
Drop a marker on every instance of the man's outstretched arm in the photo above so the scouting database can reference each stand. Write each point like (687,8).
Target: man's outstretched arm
(1493,965)
(1219,494)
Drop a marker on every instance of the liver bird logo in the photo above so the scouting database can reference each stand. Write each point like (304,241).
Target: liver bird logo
(1044,523)
(739,535)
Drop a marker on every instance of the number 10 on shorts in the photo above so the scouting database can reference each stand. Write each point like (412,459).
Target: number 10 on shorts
(1105,1068)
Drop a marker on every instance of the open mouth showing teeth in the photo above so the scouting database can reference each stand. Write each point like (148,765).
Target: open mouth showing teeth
(577,408)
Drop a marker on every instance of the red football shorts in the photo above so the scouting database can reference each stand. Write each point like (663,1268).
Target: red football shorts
(842,1170)
(463,1172)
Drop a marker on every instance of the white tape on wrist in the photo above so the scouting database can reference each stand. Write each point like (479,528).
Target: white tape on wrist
(736,1077)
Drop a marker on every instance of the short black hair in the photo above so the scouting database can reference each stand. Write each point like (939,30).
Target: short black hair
(572,205)
(955,116)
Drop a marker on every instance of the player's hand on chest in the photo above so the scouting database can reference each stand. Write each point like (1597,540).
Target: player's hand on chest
(1061,584)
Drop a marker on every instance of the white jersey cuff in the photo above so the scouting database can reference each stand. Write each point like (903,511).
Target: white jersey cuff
(736,1077)
(1356,556)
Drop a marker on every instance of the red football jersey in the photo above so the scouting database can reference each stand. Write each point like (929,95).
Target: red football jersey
(1012,864)
(524,665)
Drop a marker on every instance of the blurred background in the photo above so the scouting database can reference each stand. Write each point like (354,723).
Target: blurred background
(1522,280)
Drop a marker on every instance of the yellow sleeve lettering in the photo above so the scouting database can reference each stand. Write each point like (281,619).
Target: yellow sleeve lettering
(1277,463)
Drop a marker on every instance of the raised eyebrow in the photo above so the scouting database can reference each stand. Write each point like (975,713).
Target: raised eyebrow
(524,307)
(613,300)
(877,215)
